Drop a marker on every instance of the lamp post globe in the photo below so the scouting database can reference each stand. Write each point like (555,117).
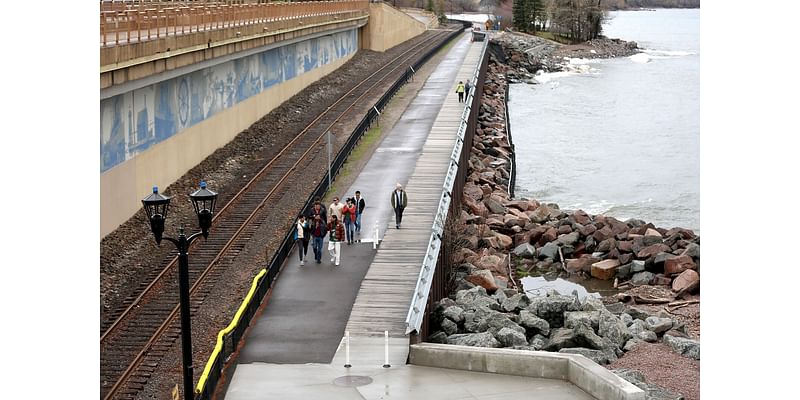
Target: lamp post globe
(156,206)
(203,201)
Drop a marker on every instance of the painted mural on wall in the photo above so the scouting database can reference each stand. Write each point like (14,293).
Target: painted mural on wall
(132,122)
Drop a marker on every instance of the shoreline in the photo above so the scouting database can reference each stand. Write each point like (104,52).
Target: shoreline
(498,239)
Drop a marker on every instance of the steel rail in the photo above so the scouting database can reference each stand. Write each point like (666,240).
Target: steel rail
(235,200)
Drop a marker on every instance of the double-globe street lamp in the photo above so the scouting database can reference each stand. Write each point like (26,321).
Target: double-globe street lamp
(157,206)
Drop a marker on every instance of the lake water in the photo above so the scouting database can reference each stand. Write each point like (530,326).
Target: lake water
(619,137)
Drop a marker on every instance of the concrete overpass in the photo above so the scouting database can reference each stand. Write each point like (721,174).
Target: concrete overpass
(179,80)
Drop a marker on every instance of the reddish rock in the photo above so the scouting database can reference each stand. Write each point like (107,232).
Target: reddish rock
(495,221)
(614,253)
(491,241)
(472,191)
(536,234)
(484,279)
(685,233)
(462,254)
(603,234)
(541,214)
(685,279)
(580,248)
(625,258)
(652,250)
(475,207)
(486,189)
(581,217)
(580,264)
(548,236)
(639,230)
(588,230)
(661,280)
(625,245)
(472,241)
(605,269)
(504,240)
(678,264)
(533,204)
(564,229)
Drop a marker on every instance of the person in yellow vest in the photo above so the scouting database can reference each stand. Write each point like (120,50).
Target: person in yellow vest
(460,91)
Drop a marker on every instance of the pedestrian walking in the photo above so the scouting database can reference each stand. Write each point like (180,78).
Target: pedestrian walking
(302,234)
(336,208)
(460,91)
(360,205)
(467,88)
(335,239)
(349,218)
(399,203)
(319,227)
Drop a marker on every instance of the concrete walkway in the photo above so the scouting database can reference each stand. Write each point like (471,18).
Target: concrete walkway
(296,349)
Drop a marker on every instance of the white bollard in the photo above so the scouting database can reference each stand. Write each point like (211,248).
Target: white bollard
(375,241)
(386,350)
(347,351)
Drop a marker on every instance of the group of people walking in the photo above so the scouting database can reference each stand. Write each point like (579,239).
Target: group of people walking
(341,222)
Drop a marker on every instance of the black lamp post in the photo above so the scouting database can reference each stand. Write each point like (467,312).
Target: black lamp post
(157,206)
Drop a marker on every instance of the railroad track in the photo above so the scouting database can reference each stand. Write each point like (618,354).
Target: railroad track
(140,331)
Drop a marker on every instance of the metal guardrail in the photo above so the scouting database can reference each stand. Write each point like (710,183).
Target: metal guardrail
(419,299)
(228,339)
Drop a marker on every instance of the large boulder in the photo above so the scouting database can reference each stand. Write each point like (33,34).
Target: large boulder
(605,269)
(510,337)
(449,327)
(478,320)
(559,339)
(465,298)
(549,250)
(533,324)
(438,337)
(658,325)
(574,318)
(516,302)
(538,342)
(637,313)
(494,206)
(540,214)
(652,250)
(678,264)
(642,278)
(552,308)
(685,280)
(483,339)
(484,279)
(685,347)
(454,313)
(569,239)
(613,329)
(580,264)
(525,250)
(498,321)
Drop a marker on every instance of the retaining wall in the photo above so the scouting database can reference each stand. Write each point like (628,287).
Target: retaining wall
(582,372)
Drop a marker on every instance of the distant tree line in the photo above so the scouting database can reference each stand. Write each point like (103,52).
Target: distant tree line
(575,20)
(629,4)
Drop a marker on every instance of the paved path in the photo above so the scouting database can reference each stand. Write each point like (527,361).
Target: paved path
(296,349)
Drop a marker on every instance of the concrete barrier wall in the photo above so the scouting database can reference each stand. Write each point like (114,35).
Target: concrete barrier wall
(388,27)
(153,135)
(577,369)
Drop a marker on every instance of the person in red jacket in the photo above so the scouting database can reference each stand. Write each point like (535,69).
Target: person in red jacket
(335,239)
(349,217)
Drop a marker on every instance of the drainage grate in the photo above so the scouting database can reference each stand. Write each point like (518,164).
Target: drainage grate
(352,381)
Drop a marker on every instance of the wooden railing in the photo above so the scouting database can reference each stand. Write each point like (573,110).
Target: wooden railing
(131,21)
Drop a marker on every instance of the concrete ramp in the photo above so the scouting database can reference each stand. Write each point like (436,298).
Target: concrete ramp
(388,27)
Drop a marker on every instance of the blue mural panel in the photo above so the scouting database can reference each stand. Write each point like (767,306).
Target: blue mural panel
(132,122)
